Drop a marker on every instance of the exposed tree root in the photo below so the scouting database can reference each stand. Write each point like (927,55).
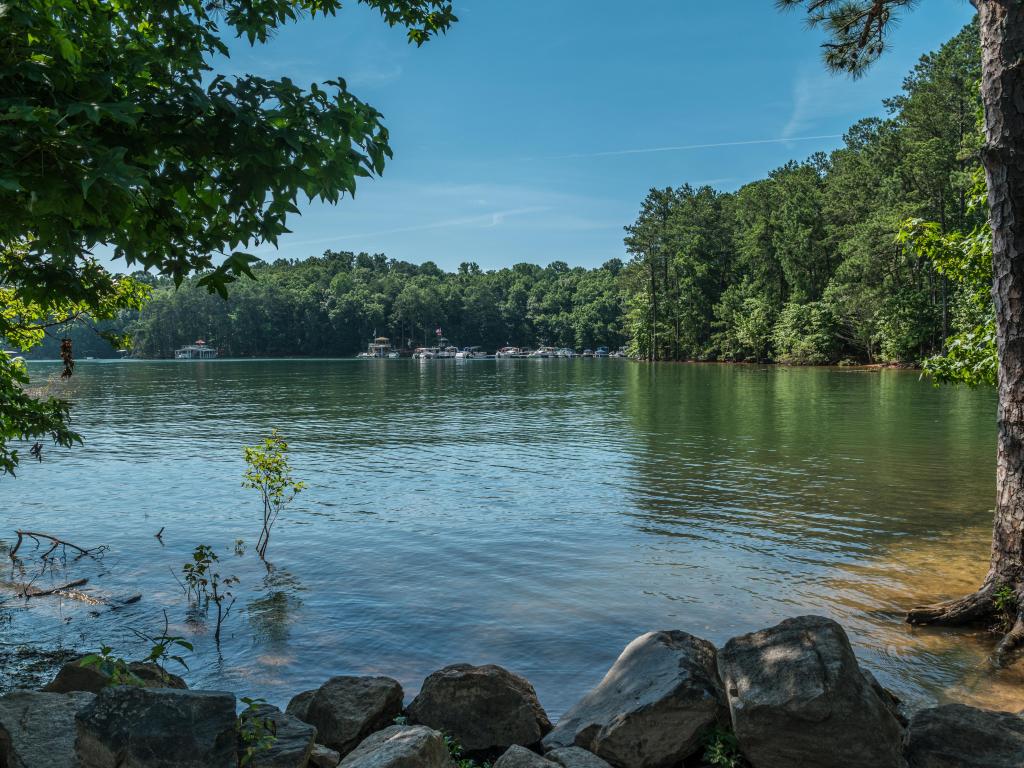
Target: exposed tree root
(971,609)
(978,608)
(1009,647)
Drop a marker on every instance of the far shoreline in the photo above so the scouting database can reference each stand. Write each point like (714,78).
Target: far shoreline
(873,367)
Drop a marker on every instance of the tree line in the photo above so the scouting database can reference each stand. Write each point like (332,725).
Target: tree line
(804,266)
(334,304)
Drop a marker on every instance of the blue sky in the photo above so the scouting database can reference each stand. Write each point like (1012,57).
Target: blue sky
(532,131)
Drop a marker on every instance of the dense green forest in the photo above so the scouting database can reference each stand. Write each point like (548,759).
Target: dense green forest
(334,304)
(804,266)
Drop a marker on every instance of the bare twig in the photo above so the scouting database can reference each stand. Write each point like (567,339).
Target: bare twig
(55,543)
(183,587)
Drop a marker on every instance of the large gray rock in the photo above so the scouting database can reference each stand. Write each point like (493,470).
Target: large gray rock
(484,708)
(299,704)
(521,757)
(652,708)
(323,757)
(890,699)
(38,729)
(74,677)
(345,710)
(575,757)
(958,736)
(400,746)
(797,697)
(128,727)
(293,739)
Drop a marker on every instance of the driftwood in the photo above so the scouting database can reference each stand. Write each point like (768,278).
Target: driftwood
(70,591)
(65,590)
(30,591)
(55,544)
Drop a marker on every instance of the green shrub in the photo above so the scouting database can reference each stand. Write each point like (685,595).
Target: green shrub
(805,334)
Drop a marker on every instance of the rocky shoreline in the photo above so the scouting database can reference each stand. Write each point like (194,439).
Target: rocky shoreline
(790,696)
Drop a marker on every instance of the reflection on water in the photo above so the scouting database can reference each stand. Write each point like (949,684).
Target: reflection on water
(954,663)
(537,514)
(271,614)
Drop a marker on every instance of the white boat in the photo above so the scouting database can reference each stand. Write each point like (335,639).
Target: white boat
(394,354)
(544,352)
(197,351)
(446,351)
(468,353)
(601,352)
(379,347)
(588,353)
(509,352)
(566,352)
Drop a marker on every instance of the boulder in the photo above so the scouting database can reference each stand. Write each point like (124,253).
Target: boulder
(129,727)
(485,709)
(575,757)
(521,757)
(891,700)
(958,736)
(38,729)
(293,739)
(798,697)
(74,677)
(345,710)
(299,705)
(653,707)
(323,757)
(400,746)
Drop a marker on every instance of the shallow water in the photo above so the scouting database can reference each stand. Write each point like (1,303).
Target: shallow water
(538,514)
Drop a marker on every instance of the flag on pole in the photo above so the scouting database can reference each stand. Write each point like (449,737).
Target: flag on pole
(437,332)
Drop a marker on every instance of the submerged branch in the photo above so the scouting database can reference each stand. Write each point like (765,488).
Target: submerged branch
(55,544)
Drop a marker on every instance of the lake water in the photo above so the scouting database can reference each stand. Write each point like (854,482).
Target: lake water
(538,514)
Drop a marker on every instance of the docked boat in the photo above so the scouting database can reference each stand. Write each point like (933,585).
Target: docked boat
(544,352)
(588,353)
(509,352)
(566,352)
(379,347)
(446,351)
(197,351)
(601,352)
(469,353)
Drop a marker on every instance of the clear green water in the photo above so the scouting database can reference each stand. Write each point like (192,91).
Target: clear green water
(533,513)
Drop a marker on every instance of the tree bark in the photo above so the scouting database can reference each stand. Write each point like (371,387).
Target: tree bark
(1002,42)
(654,311)
(1002,91)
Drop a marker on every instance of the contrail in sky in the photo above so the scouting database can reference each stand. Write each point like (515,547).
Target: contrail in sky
(484,220)
(683,147)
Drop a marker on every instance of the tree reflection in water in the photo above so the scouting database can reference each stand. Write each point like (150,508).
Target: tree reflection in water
(269,615)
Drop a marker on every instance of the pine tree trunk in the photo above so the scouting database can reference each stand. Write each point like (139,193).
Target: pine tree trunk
(654,312)
(1002,91)
(1002,41)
